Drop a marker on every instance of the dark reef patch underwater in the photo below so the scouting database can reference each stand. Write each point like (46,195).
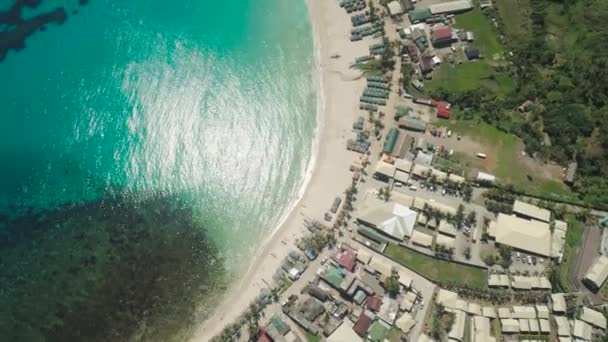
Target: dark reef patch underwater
(111,270)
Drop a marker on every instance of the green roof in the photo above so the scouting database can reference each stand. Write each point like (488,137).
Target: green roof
(377,332)
(281,326)
(372,235)
(334,276)
(414,124)
(391,140)
(421,14)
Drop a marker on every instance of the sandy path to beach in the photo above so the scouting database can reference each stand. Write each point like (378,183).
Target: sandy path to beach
(339,92)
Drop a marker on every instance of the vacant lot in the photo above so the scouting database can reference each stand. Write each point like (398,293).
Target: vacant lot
(438,270)
(515,15)
(486,36)
(470,76)
(504,159)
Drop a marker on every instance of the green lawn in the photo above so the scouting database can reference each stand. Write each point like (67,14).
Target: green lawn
(509,169)
(394,335)
(438,270)
(486,36)
(573,242)
(470,76)
(312,338)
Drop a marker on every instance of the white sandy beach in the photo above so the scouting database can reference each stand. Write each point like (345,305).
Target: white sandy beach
(339,90)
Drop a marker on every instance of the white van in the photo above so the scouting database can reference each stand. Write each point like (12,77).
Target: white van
(413,188)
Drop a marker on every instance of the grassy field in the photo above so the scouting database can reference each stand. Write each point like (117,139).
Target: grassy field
(516,19)
(486,37)
(471,76)
(438,270)
(506,148)
(573,241)
(312,338)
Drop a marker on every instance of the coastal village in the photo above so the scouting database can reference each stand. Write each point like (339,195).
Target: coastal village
(428,243)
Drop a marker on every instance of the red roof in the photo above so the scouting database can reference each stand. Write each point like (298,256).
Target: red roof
(442,33)
(348,260)
(374,303)
(263,336)
(362,325)
(443,109)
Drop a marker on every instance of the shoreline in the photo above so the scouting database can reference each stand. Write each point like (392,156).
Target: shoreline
(328,173)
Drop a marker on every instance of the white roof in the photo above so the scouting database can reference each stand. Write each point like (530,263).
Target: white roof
(425,338)
(391,218)
(524,325)
(405,323)
(498,280)
(559,302)
(401,176)
(363,256)
(380,266)
(560,225)
(431,223)
(565,339)
(598,272)
(420,170)
(445,240)
(403,165)
(404,277)
(436,60)
(482,176)
(344,333)
(447,228)
(532,211)
(481,329)
(422,239)
(542,311)
(504,313)
(457,331)
(474,309)
(385,169)
(452,6)
(593,317)
(488,311)
(545,326)
(527,235)
(524,312)
(448,299)
(522,283)
(456,178)
(419,203)
(563,326)
(534,327)
(395,8)
(406,305)
(582,330)
(509,325)
(446,209)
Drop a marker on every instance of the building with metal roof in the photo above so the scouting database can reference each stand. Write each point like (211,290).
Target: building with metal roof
(390,141)
(530,236)
(524,326)
(445,240)
(451,7)
(509,326)
(488,311)
(395,8)
(392,219)
(457,331)
(597,273)
(420,171)
(498,280)
(582,330)
(378,331)
(344,333)
(558,302)
(563,326)
(412,124)
(381,267)
(363,256)
(504,313)
(363,323)
(485,177)
(545,326)
(531,212)
(420,15)
(404,278)
(384,171)
(474,309)
(405,323)
(447,228)
(421,239)
(593,317)
(542,311)
(524,312)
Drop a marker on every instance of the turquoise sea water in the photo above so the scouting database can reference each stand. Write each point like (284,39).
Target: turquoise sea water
(209,101)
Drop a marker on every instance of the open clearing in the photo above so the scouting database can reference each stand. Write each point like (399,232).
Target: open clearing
(486,37)
(470,76)
(438,270)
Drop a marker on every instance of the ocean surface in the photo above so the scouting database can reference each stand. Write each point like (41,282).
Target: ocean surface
(210,103)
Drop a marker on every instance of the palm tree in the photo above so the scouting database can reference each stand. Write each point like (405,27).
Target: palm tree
(387,193)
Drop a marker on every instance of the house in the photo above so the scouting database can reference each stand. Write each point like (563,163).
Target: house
(443,110)
(412,124)
(457,6)
(531,212)
(347,260)
(472,52)
(529,236)
(363,323)
(593,317)
(395,8)
(426,65)
(442,37)
(422,239)
(345,332)
(420,15)
(597,273)
(524,106)
(558,301)
(392,219)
